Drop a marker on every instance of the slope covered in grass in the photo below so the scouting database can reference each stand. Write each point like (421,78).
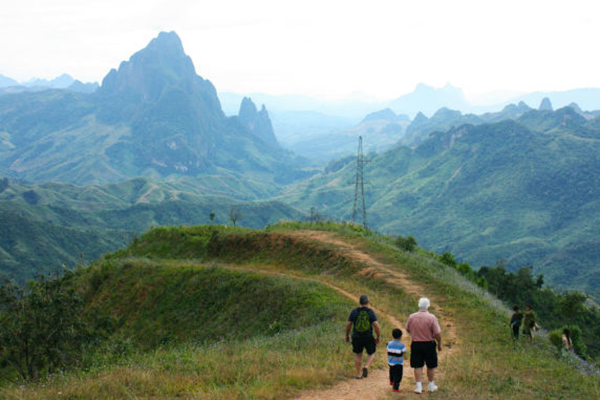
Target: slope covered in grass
(176,302)
(47,225)
(207,312)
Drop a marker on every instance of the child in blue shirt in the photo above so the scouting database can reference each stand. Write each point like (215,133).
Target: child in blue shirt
(395,351)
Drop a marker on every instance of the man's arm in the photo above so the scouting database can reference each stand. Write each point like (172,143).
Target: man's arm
(348,327)
(438,337)
(377,331)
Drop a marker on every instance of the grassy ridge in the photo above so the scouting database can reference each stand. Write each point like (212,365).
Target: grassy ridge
(137,284)
(159,302)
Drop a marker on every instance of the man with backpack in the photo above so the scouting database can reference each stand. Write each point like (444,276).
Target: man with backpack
(364,320)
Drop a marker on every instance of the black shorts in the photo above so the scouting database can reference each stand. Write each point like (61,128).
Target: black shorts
(360,343)
(422,353)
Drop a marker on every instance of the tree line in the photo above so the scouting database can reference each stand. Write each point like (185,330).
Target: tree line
(555,311)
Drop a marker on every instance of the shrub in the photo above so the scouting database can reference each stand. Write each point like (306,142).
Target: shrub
(408,243)
(579,347)
(466,271)
(42,326)
(448,259)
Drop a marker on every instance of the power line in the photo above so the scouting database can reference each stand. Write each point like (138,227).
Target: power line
(359,189)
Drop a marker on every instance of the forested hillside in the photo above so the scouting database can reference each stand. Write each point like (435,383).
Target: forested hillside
(48,226)
(522,192)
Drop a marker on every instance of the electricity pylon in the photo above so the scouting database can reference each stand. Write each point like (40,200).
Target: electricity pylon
(359,190)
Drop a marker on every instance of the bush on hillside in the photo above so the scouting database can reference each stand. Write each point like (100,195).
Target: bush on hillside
(408,243)
(448,259)
(579,347)
(42,327)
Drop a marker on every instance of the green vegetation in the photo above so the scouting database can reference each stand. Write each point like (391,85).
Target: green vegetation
(160,302)
(70,225)
(112,135)
(554,310)
(408,243)
(194,310)
(42,328)
(524,190)
(189,324)
(520,185)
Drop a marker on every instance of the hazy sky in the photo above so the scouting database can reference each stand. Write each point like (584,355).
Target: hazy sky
(323,48)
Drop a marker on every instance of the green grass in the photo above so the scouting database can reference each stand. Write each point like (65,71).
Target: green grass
(162,302)
(162,287)
(261,367)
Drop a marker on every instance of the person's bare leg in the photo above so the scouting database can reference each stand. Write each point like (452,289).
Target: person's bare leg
(370,359)
(418,374)
(431,374)
(358,364)
(418,379)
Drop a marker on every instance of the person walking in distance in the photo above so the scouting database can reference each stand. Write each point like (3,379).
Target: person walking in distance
(529,323)
(515,322)
(364,321)
(424,330)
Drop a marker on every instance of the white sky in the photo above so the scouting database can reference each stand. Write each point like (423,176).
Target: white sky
(322,48)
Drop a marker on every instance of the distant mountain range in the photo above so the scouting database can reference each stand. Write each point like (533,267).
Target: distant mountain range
(153,145)
(326,129)
(64,81)
(522,188)
(154,116)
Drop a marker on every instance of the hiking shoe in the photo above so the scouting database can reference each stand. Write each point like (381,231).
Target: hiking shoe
(418,390)
(395,390)
(432,388)
(365,372)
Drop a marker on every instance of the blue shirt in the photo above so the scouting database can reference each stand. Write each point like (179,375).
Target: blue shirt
(395,350)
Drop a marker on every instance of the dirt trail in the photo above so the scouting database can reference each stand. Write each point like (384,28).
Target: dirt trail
(376,386)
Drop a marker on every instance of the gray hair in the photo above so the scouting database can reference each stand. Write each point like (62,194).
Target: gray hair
(423,303)
(364,299)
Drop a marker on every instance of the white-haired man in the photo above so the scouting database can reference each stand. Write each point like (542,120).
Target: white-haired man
(424,330)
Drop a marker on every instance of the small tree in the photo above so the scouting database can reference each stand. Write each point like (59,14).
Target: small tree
(42,326)
(212,217)
(466,271)
(408,243)
(482,282)
(234,215)
(31,197)
(448,259)
(315,216)
(571,306)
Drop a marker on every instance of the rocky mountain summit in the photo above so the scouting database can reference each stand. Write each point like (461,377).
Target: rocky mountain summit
(153,116)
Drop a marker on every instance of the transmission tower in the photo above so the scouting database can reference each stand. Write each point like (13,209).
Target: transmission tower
(359,190)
